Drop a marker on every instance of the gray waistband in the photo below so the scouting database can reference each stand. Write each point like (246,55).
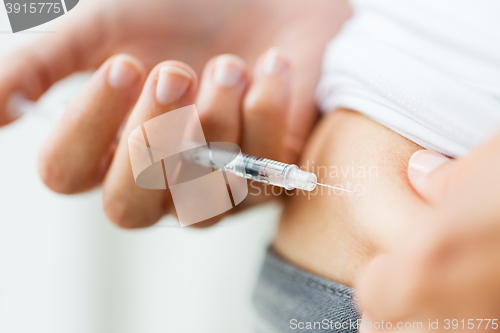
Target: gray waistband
(288,299)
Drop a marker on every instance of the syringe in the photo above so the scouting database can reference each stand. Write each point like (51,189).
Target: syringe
(263,170)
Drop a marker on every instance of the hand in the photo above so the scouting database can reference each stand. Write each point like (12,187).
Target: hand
(234,106)
(192,31)
(448,267)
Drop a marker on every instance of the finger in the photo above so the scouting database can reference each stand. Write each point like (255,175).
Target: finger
(401,284)
(170,85)
(266,106)
(219,104)
(372,285)
(76,155)
(220,97)
(79,44)
(430,174)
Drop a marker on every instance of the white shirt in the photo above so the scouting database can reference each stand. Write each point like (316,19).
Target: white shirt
(427,69)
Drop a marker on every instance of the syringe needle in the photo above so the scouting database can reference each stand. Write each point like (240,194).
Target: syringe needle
(336,188)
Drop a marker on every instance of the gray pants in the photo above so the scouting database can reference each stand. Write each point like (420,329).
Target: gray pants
(288,299)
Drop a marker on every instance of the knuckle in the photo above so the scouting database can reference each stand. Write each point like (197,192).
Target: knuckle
(267,106)
(124,215)
(57,177)
(120,213)
(212,120)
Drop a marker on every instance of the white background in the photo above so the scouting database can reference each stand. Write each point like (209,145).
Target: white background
(65,268)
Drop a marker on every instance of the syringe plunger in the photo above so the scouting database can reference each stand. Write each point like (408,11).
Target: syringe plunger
(259,169)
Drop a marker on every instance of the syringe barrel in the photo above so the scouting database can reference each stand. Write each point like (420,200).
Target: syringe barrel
(266,171)
(259,169)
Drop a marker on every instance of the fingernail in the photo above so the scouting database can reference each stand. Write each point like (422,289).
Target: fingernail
(124,71)
(172,84)
(423,162)
(228,71)
(274,62)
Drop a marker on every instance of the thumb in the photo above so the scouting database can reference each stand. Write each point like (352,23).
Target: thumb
(430,174)
(30,71)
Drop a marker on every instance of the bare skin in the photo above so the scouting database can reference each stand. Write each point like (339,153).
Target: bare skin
(81,152)
(331,235)
(448,269)
(336,235)
(191,31)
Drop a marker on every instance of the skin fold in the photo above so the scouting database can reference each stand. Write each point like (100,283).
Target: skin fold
(446,270)
(335,235)
(332,234)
